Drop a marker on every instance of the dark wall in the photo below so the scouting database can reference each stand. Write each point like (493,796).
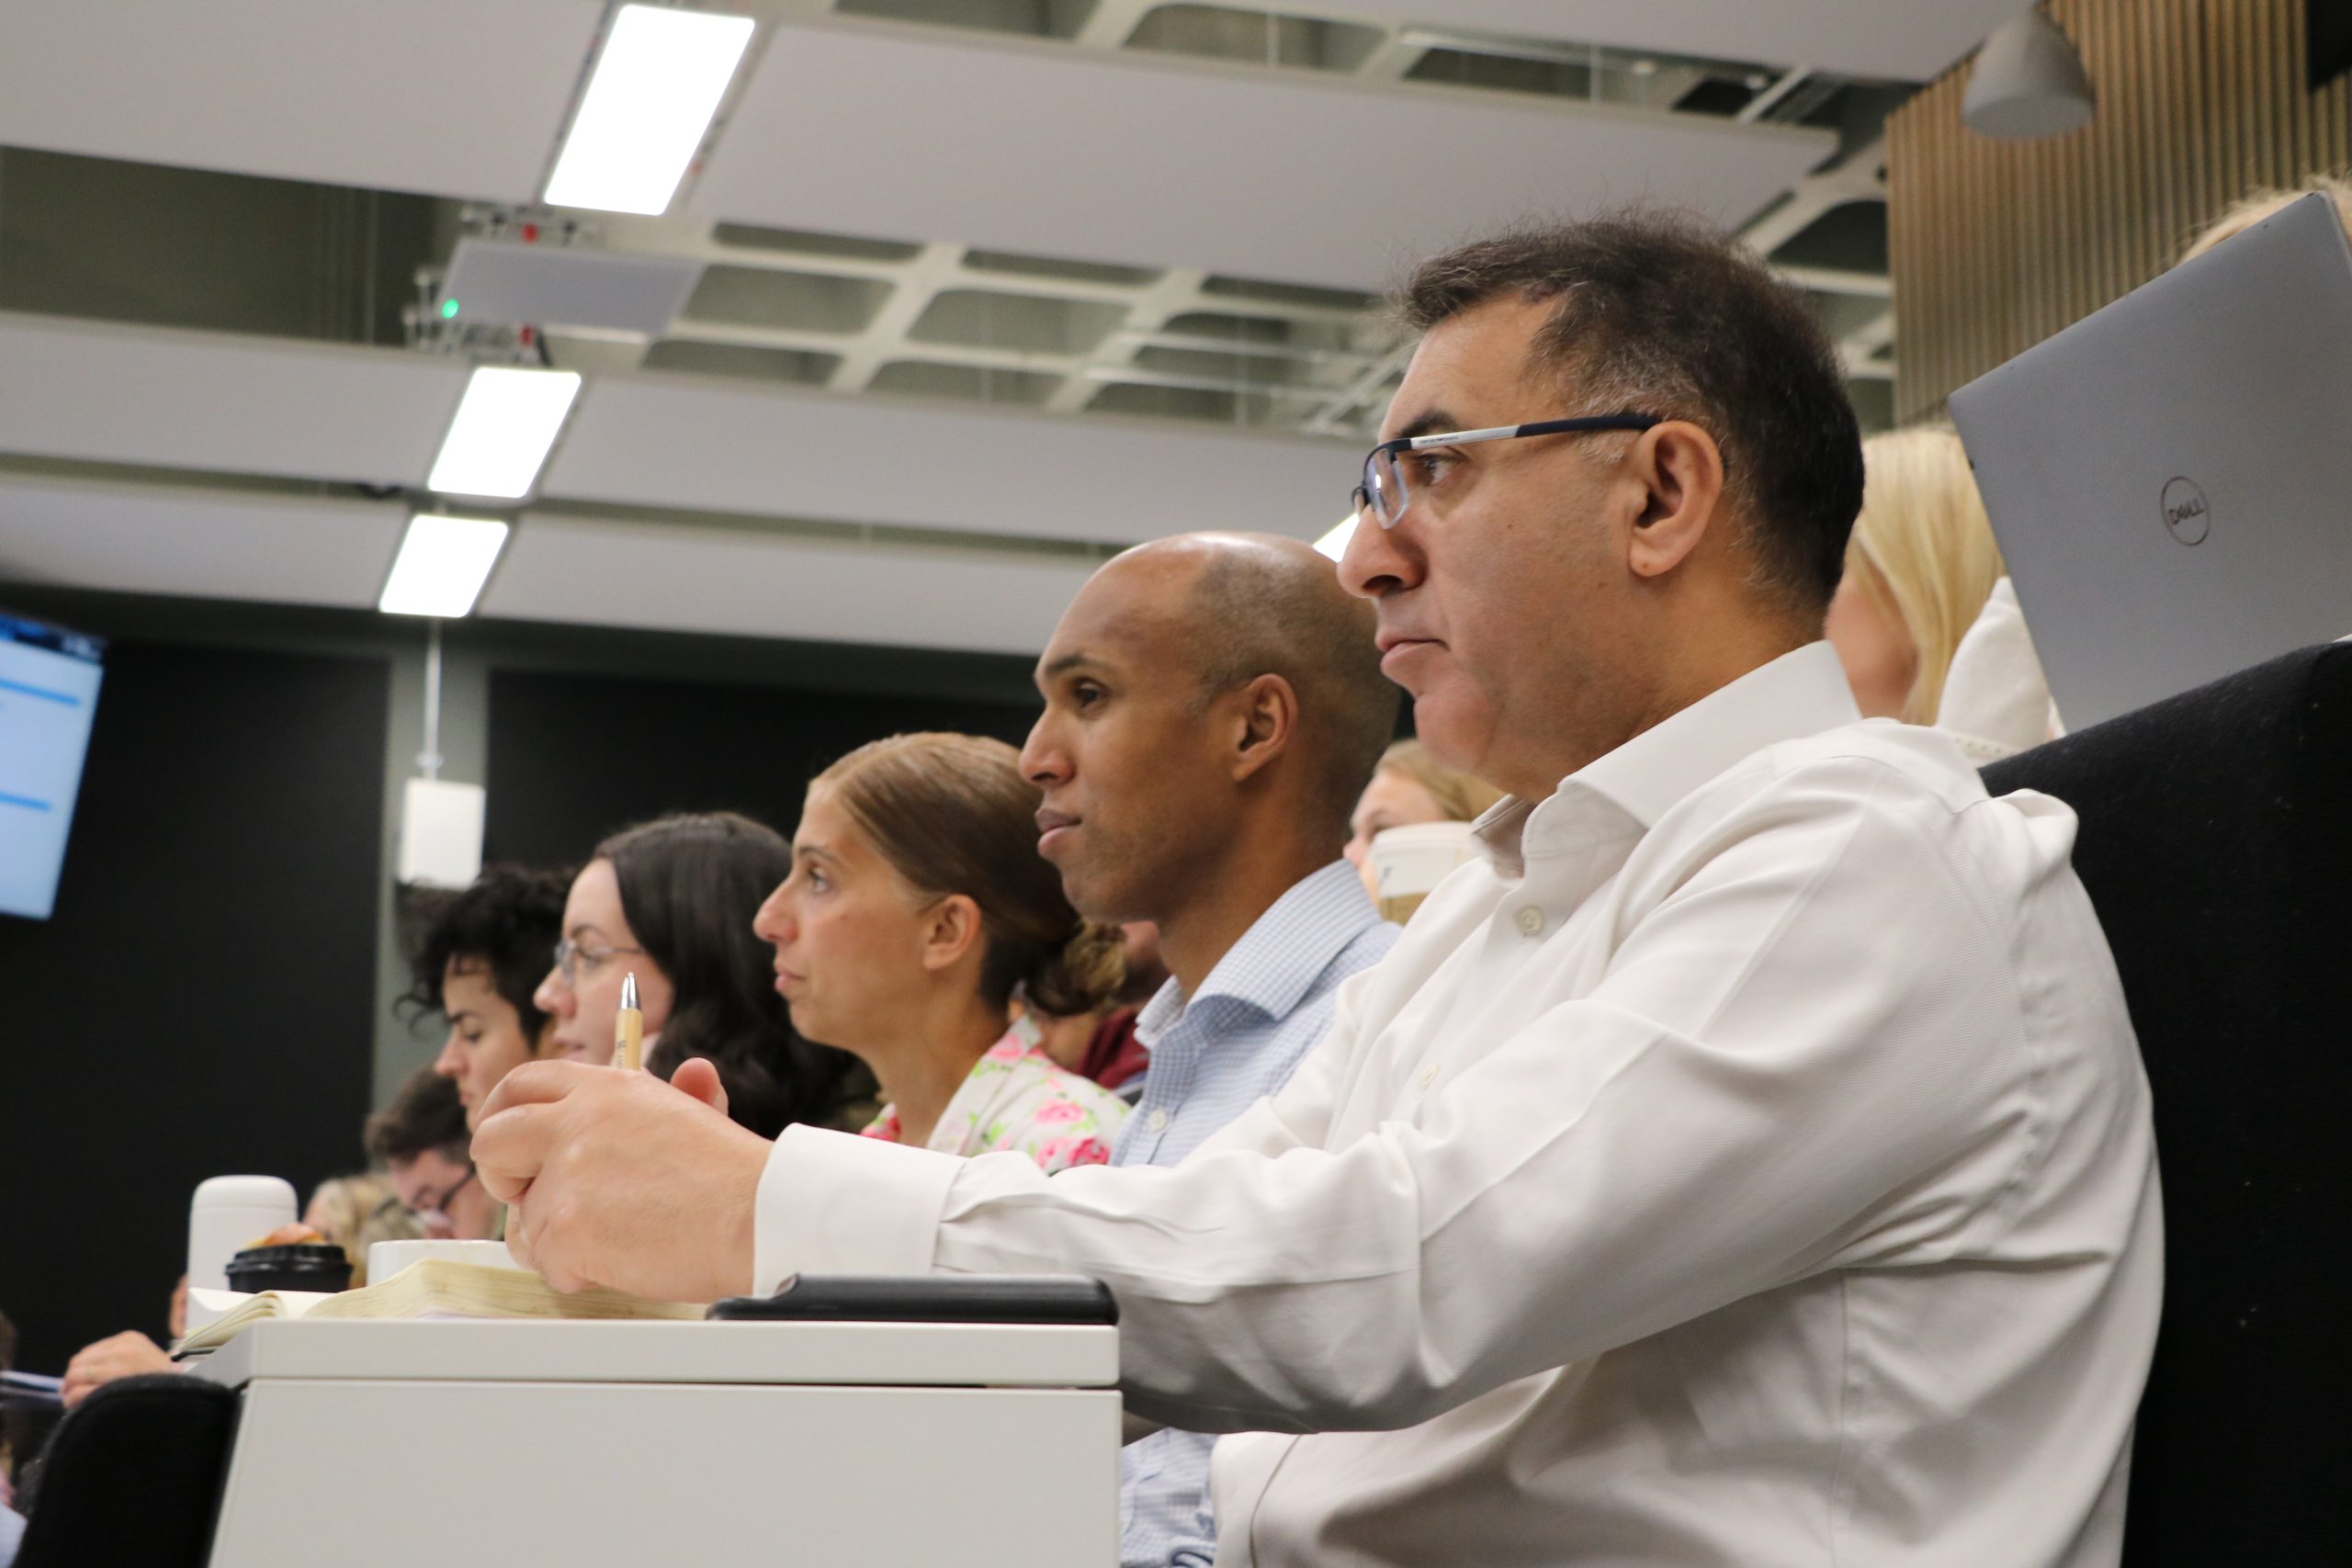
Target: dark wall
(202,1001)
(574,757)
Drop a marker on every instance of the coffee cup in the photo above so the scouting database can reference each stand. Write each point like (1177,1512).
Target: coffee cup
(303,1266)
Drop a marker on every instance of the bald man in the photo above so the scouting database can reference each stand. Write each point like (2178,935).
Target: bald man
(1214,706)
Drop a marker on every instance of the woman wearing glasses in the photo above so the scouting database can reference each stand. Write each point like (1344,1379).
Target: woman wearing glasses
(671,901)
(916,911)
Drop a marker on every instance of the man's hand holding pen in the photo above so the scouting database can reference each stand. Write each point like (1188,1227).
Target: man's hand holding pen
(620,1179)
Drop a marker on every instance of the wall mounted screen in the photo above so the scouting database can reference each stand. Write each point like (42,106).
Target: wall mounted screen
(48,692)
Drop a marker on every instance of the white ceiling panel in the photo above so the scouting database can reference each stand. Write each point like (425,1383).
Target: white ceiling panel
(674,442)
(221,403)
(448,97)
(214,544)
(744,583)
(1058,151)
(1907,40)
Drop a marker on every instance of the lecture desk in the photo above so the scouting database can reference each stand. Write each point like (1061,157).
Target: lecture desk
(474,1444)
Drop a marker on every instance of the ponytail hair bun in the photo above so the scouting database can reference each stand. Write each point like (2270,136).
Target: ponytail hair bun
(1086,972)
(952,815)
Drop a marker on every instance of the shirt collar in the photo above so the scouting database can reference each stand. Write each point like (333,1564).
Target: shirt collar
(1800,693)
(1282,954)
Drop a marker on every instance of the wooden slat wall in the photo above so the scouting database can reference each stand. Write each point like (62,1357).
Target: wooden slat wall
(1994,245)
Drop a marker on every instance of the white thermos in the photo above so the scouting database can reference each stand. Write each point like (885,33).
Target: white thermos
(228,1214)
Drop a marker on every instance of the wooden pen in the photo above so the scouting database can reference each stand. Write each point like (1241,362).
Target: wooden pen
(628,1028)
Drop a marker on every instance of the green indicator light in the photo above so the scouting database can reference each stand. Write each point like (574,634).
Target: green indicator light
(448,310)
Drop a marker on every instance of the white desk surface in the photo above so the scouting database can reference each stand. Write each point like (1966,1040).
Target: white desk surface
(870,1354)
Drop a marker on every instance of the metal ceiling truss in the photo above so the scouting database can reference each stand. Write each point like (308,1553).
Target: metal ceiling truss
(939,319)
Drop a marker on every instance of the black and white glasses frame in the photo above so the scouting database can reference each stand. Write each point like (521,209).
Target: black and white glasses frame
(1384,493)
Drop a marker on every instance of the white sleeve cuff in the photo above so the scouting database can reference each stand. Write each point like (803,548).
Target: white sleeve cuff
(837,1203)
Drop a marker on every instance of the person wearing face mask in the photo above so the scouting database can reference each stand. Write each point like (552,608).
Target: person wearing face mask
(671,901)
(477,963)
(1410,788)
(916,911)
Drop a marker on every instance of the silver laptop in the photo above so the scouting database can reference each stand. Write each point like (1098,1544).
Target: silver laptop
(2171,478)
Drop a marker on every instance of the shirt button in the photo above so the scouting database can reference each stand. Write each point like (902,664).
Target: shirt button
(1157,1120)
(1429,1074)
(1531,921)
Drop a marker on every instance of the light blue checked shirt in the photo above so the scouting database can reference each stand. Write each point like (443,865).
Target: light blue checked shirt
(1266,1004)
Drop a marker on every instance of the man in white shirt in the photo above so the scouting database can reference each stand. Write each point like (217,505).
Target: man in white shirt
(1748,1163)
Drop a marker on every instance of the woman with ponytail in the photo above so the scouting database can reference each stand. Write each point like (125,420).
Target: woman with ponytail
(916,912)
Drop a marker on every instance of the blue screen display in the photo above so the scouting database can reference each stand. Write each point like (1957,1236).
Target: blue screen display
(48,692)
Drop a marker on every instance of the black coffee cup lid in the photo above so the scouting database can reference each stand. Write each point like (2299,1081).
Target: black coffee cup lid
(296,1254)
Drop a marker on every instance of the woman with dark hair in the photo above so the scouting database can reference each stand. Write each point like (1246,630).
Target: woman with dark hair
(671,901)
(917,910)
(478,962)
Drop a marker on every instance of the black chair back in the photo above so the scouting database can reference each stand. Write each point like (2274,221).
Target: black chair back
(132,1478)
(2216,842)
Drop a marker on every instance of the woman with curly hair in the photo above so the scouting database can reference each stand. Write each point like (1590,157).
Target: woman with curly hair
(916,912)
(476,962)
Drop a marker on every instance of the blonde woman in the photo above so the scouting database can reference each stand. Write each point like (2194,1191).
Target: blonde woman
(2252,210)
(1408,789)
(355,1212)
(1919,568)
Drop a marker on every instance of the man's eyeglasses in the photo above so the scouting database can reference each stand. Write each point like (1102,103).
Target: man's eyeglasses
(1394,468)
(428,1201)
(571,958)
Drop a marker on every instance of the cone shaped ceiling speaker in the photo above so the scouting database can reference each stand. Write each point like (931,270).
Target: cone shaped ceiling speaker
(2028,83)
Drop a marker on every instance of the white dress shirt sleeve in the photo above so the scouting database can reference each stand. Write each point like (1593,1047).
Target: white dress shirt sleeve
(1745,1098)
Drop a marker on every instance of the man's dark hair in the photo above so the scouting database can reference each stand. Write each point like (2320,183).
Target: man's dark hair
(423,1117)
(1265,606)
(690,884)
(507,921)
(1659,315)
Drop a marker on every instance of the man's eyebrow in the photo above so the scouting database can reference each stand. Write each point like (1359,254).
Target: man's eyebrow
(1430,423)
(1065,664)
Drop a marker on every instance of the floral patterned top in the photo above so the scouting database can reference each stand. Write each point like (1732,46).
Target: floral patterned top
(1016,1099)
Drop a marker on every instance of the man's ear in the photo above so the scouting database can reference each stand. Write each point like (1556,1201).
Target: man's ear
(951,929)
(1681,471)
(1266,722)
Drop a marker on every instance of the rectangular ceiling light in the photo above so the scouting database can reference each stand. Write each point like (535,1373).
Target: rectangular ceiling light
(647,108)
(506,423)
(441,565)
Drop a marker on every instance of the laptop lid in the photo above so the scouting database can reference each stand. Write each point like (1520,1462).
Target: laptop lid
(2170,479)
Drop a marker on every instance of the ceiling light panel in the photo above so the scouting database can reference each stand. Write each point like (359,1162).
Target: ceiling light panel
(672,576)
(447,98)
(220,402)
(204,542)
(672,442)
(646,109)
(1850,37)
(505,426)
(441,565)
(1132,162)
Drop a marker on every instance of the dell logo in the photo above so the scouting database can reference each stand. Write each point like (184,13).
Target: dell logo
(2187,514)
